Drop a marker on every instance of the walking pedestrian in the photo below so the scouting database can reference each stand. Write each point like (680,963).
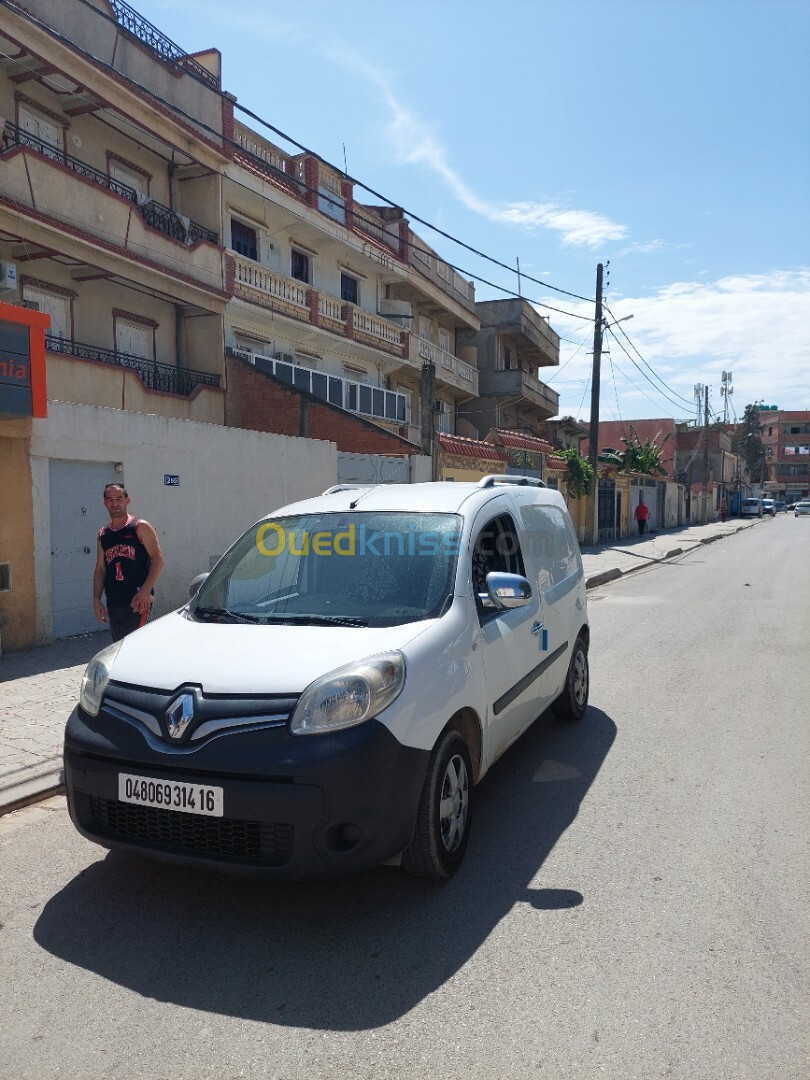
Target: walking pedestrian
(642,513)
(128,563)
(723,509)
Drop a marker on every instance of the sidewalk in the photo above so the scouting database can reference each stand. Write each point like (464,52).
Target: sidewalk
(39,687)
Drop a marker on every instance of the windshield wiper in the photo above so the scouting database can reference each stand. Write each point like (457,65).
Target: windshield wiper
(225,613)
(315,620)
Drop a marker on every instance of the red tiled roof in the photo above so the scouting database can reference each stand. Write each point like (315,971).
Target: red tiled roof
(518,440)
(471,448)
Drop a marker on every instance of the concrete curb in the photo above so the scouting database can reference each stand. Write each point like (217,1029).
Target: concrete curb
(601,579)
(33,789)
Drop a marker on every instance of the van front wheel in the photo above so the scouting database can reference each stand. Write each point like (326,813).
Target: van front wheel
(443,819)
(573,701)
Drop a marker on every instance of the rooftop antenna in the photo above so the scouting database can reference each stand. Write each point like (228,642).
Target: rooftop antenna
(726,390)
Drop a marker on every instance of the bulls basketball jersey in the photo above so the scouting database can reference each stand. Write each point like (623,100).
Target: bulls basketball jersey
(126,562)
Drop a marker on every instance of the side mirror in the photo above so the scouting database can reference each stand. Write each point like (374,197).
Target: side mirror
(506,591)
(196,585)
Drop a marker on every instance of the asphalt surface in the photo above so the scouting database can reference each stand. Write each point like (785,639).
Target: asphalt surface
(39,687)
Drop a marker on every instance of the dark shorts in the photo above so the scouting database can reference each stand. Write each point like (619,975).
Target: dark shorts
(123,620)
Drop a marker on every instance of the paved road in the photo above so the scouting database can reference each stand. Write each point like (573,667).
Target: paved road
(633,903)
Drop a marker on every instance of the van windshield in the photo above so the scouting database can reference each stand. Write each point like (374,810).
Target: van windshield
(359,569)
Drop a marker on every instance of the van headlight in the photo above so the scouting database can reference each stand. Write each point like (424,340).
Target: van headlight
(96,677)
(349,695)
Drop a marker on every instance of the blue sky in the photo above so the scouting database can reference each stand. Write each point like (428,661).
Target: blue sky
(668,137)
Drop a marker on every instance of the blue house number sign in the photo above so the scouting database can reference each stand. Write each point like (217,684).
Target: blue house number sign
(170,480)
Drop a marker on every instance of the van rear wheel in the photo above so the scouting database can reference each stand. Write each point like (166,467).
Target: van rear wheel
(443,819)
(573,701)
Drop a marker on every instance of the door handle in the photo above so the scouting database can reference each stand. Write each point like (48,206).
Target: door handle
(537,628)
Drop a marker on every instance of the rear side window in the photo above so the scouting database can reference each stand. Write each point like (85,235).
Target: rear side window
(552,545)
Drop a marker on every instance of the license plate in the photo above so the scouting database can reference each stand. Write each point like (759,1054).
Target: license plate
(170,795)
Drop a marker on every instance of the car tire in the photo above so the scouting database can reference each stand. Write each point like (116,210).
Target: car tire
(573,701)
(443,819)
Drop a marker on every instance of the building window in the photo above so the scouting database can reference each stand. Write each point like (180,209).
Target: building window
(349,289)
(46,136)
(58,307)
(130,179)
(299,266)
(244,240)
(134,338)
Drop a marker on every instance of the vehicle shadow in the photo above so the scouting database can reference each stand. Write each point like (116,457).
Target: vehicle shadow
(342,955)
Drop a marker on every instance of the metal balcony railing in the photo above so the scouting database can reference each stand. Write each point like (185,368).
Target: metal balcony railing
(154,213)
(149,34)
(155,376)
(15,136)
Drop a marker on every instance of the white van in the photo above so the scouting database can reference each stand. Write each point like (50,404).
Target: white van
(751,508)
(345,675)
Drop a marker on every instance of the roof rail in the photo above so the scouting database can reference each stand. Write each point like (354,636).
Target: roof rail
(347,487)
(518,481)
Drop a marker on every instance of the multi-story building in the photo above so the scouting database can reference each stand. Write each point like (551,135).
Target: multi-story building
(156,236)
(340,299)
(786,440)
(109,210)
(512,344)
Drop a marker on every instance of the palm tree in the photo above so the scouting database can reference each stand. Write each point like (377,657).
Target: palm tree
(638,456)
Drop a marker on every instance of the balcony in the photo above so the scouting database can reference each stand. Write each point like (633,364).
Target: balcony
(166,49)
(520,384)
(154,213)
(449,369)
(164,378)
(522,330)
(373,402)
(288,296)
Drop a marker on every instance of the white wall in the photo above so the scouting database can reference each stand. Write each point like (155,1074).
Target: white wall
(229,478)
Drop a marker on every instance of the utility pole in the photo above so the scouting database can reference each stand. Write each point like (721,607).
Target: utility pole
(593,434)
(706,496)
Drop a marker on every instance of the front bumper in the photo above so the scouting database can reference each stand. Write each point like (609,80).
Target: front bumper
(294,806)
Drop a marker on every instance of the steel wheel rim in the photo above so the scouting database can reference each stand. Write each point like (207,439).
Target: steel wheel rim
(580,680)
(454,803)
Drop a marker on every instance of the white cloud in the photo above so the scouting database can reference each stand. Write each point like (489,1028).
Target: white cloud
(413,142)
(689,332)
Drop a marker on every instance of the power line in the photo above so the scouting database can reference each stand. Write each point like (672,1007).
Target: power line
(638,354)
(643,373)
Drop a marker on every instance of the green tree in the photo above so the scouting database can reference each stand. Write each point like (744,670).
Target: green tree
(637,456)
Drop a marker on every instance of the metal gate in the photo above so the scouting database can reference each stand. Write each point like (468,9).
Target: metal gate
(77,513)
(607,518)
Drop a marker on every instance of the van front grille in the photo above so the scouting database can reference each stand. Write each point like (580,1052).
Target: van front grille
(260,842)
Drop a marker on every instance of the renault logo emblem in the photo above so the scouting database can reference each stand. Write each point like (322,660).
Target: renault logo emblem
(179,714)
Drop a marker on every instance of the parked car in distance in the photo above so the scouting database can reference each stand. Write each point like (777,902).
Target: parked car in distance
(336,686)
(769,507)
(751,508)
(781,506)
(802,508)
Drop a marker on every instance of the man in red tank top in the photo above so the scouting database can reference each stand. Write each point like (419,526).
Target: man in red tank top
(128,563)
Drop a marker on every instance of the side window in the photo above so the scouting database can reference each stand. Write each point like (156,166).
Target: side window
(496,550)
(552,544)
(244,240)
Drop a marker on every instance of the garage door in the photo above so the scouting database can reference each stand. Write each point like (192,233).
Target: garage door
(77,513)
